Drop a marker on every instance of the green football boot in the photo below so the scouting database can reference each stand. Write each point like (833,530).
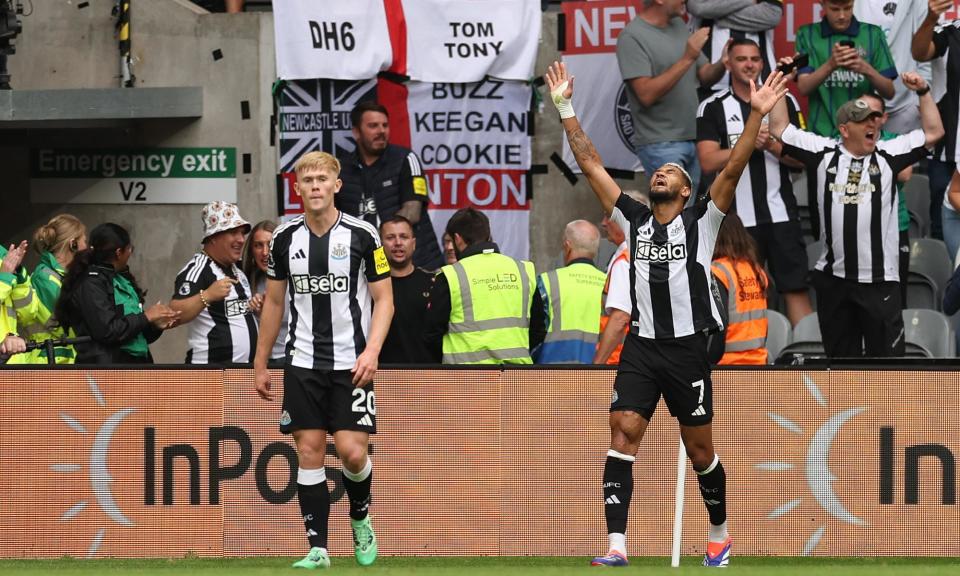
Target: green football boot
(316,558)
(364,541)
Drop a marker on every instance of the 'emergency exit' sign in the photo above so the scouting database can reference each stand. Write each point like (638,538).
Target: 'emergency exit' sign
(134,176)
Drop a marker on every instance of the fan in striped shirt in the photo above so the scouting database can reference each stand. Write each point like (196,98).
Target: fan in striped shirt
(665,353)
(854,185)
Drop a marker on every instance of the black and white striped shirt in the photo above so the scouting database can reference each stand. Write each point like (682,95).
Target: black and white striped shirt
(946,40)
(764,192)
(327,283)
(720,35)
(225,331)
(670,286)
(856,201)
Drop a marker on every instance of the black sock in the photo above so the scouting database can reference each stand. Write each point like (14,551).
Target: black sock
(617,490)
(315,508)
(358,490)
(713,488)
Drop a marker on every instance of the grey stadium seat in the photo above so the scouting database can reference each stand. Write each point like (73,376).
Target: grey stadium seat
(779,334)
(806,339)
(930,269)
(808,329)
(930,331)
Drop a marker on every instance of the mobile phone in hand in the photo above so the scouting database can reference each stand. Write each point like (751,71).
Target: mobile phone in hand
(799,62)
(847,43)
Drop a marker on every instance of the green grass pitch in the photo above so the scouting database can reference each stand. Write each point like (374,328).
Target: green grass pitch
(526,566)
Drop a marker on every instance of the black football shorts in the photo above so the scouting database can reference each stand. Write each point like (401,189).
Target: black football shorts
(676,368)
(326,400)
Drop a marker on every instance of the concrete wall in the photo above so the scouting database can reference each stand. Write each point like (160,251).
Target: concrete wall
(66,47)
(63,46)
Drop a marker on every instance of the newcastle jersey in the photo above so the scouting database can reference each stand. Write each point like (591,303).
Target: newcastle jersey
(764,193)
(327,286)
(670,286)
(856,201)
(225,331)
(720,35)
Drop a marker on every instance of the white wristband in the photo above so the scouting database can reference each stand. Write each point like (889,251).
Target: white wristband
(564,105)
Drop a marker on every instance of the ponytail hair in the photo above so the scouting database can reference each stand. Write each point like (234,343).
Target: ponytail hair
(735,243)
(105,240)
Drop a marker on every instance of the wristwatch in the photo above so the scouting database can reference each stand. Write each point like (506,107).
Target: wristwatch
(923,90)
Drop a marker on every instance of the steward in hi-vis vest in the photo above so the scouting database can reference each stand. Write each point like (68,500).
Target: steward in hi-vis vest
(17,302)
(490,298)
(746,333)
(484,308)
(573,298)
(46,280)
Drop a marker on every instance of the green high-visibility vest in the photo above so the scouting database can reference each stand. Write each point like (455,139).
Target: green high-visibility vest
(573,300)
(46,280)
(490,299)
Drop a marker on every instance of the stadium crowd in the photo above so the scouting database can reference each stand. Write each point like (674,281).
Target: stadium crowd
(823,201)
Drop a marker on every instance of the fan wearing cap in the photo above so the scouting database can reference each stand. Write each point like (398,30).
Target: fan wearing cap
(213,294)
(854,194)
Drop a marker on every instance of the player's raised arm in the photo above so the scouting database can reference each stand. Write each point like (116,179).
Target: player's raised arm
(761,102)
(561,93)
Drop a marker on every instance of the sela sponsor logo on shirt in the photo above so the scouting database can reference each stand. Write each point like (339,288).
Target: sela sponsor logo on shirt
(236,307)
(327,284)
(339,252)
(651,252)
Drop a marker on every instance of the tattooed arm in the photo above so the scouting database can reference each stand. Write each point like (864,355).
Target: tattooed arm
(561,91)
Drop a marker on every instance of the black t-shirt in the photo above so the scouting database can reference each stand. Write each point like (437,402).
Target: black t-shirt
(404,343)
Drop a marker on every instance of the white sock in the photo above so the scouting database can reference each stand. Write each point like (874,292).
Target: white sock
(362,474)
(618,542)
(719,533)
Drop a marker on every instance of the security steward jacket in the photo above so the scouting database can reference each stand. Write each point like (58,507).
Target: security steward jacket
(100,308)
(572,298)
(746,299)
(439,318)
(46,280)
(375,193)
(17,306)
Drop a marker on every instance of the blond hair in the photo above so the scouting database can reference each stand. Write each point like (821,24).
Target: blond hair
(58,232)
(317,161)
